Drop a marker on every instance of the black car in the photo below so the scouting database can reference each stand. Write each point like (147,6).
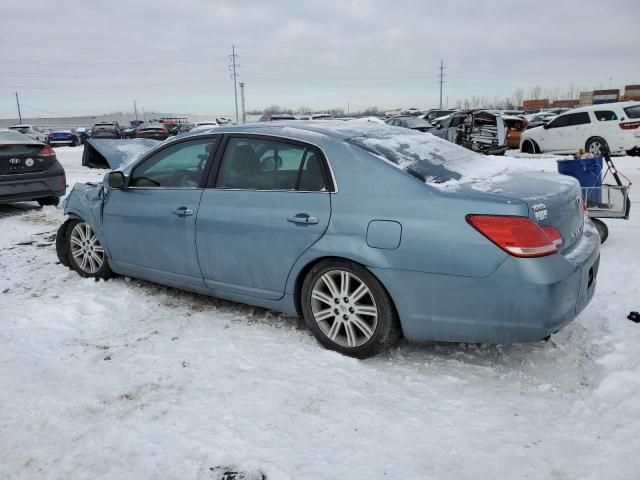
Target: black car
(409,121)
(106,130)
(29,170)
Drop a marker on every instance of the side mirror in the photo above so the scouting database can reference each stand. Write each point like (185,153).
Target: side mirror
(438,126)
(116,179)
(545,126)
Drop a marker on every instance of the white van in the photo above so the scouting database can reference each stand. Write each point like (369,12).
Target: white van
(616,125)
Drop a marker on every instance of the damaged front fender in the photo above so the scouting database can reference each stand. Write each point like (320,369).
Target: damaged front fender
(85,202)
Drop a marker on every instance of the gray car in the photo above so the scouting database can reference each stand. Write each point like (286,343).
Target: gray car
(29,170)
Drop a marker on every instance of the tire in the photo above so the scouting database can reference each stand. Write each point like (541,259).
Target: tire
(594,145)
(55,201)
(332,293)
(84,253)
(602,228)
(527,147)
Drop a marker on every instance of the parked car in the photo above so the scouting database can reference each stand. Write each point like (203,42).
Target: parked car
(29,170)
(515,126)
(539,119)
(156,131)
(477,130)
(83,134)
(36,133)
(276,117)
(415,123)
(368,231)
(106,130)
(185,128)
(434,113)
(63,137)
(614,125)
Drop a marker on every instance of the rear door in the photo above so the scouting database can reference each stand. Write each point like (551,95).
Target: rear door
(577,131)
(267,202)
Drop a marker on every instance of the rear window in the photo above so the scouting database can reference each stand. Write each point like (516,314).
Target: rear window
(605,115)
(633,112)
(425,156)
(20,129)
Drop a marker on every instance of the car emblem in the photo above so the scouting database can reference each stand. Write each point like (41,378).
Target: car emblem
(14,161)
(29,162)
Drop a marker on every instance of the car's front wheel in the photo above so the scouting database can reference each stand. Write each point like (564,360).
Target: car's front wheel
(86,255)
(348,309)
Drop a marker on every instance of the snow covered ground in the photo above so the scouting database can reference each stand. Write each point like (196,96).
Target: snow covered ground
(126,379)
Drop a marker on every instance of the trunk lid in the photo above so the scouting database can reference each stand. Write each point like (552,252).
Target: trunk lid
(17,159)
(552,199)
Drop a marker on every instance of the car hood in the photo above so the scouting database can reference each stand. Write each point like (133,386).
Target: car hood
(114,154)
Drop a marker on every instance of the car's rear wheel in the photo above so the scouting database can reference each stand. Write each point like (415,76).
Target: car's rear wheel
(86,255)
(595,145)
(348,309)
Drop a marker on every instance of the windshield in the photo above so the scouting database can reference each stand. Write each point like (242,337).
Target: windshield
(20,129)
(429,158)
(417,122)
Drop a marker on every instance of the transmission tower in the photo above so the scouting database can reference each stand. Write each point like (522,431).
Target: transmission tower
(234,75)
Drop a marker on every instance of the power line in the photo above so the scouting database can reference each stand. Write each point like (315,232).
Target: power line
(233,67)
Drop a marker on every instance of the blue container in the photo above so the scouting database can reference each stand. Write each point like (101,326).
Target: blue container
(588,171)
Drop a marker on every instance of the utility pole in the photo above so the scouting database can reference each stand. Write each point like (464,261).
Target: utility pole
(135,109)
(234,75)
(441,75)
(19,113)
(244,113)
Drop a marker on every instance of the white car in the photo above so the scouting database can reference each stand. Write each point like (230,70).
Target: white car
(29,130)
(614,125)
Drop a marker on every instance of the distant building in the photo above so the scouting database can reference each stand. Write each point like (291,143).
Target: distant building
(631,92)
(585,99)
(565,103)
(606,96)
(535,104)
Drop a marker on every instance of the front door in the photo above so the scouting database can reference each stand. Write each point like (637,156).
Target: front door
(149,225)
(269,203)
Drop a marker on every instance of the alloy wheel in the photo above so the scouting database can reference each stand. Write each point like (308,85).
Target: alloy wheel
(344,308)
(86,251)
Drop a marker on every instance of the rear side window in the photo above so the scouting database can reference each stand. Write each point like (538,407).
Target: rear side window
(633,112)
(605,115)
(577,118)
(259,164)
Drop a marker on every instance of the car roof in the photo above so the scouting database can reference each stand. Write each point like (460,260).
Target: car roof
(305,130)
(601,106)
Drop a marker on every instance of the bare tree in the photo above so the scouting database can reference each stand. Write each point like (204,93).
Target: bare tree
(518,96)
(536,92)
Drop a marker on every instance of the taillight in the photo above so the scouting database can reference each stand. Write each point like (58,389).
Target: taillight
(47,151)
(554,235)
(518,236)
(629,125)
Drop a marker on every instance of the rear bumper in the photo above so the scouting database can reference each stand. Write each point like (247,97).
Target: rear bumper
(523,300)
(33,186)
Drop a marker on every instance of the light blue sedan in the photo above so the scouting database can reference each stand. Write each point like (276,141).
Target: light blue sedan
(370,232)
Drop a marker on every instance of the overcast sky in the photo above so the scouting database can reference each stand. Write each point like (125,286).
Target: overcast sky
(68,57)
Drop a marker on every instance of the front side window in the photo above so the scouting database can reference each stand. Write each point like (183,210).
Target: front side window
(178,166)
(561,121)
(258,164)
(605,115)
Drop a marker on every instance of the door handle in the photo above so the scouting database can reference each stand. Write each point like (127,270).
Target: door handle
(303,219)
(183,212)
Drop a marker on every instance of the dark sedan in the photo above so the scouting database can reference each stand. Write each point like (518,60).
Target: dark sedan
(156,131)
(409,121)
(29,170)
(63,137)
